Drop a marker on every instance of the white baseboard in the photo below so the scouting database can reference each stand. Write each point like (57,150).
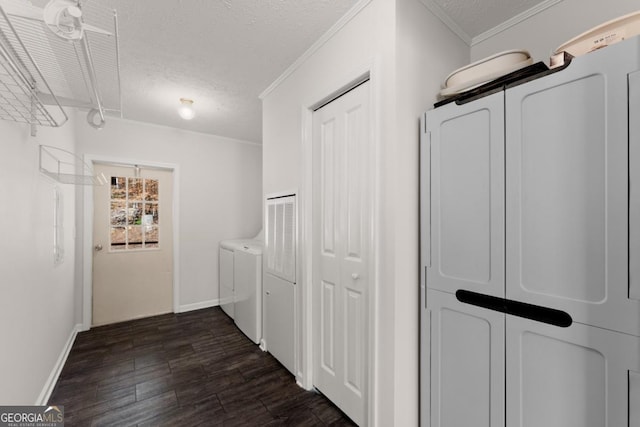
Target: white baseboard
(45,394)
(199,305)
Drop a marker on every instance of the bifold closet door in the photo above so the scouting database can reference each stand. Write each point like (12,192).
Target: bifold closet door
(342,246)
(467,363)
(464,221)
(580,376)
(567,174)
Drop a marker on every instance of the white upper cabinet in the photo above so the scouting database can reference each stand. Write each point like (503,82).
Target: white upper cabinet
(567,192)
(467,197)
(540,182)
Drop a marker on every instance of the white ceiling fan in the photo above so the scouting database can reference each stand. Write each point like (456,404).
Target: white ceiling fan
(62,17)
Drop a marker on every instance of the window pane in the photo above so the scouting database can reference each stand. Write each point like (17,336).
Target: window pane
(119,213)
(135,237)
(151,214)
(118,187)
(151,237)
(135,213)
(151,190)
(118,238)
(135,188)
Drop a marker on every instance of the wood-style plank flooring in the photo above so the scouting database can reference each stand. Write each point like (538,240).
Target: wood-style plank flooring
(185,369)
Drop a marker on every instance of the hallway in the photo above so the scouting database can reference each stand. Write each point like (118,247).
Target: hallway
(193,368)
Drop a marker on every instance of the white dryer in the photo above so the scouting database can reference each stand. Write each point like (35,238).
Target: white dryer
(226,276)
(247,275)
(240,279)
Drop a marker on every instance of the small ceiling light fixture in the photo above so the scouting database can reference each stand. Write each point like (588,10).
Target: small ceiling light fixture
(186,109)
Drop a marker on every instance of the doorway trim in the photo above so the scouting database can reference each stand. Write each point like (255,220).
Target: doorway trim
(87,244)
(304,351)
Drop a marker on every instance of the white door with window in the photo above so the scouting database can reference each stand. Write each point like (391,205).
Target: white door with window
(341,248)
(133,244)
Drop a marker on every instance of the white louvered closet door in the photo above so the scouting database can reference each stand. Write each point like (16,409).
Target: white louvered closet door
(342,231)
(281,237)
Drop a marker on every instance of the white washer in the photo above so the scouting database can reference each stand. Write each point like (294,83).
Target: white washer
(247,272)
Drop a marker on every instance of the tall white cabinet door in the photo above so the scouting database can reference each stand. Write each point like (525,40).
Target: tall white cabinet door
(467,363)
(569,377)
(567,190)
(634,189)
(466,216)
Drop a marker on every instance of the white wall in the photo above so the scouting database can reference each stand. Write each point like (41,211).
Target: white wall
(426,53)
(220,190)
(37,303)
(412,52)
(543,33)
(40,303)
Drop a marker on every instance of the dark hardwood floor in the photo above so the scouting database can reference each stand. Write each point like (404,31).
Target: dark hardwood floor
(185,369)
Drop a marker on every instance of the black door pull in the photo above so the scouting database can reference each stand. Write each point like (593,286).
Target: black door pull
(538,313)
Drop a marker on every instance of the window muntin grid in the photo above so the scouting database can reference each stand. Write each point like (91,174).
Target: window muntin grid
(134,214)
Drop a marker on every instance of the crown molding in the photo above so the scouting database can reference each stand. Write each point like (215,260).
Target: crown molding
(429,4)
(442,15)
(357,8)
(513,21)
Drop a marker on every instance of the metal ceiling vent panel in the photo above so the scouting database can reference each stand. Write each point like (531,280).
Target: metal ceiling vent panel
(65,54)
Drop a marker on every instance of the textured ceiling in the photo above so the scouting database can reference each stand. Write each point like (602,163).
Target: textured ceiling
(224,53)
(475,17)
(220,53)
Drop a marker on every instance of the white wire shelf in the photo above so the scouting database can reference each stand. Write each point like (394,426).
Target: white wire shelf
(67,168)
(41,72)
(21,82)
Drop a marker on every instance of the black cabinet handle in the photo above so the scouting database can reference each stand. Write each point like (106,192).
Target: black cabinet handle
(516,308)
